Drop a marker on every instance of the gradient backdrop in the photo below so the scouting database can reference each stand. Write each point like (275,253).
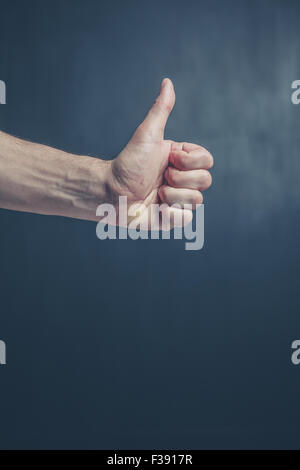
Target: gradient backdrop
(141,344)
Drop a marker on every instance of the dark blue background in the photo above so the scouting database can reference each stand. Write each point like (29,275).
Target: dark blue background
(141,344)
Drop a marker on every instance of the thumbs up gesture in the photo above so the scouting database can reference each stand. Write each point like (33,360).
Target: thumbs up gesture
(151,170)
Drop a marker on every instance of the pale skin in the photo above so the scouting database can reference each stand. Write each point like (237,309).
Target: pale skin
(40,179)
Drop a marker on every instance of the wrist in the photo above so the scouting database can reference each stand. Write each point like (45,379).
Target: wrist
(84,186)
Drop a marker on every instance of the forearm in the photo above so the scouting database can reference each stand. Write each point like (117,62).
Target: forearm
(44,180)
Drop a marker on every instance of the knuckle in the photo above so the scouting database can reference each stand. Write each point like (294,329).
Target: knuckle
(209,161)
(167,175)
(198,198)
(163,193)
(207,179)
(172,158)
(163,106)
(182,161)
(172,176)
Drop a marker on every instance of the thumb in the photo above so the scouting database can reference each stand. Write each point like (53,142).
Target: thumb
(154,124)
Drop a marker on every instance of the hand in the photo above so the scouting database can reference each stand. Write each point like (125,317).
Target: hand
(151,170)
